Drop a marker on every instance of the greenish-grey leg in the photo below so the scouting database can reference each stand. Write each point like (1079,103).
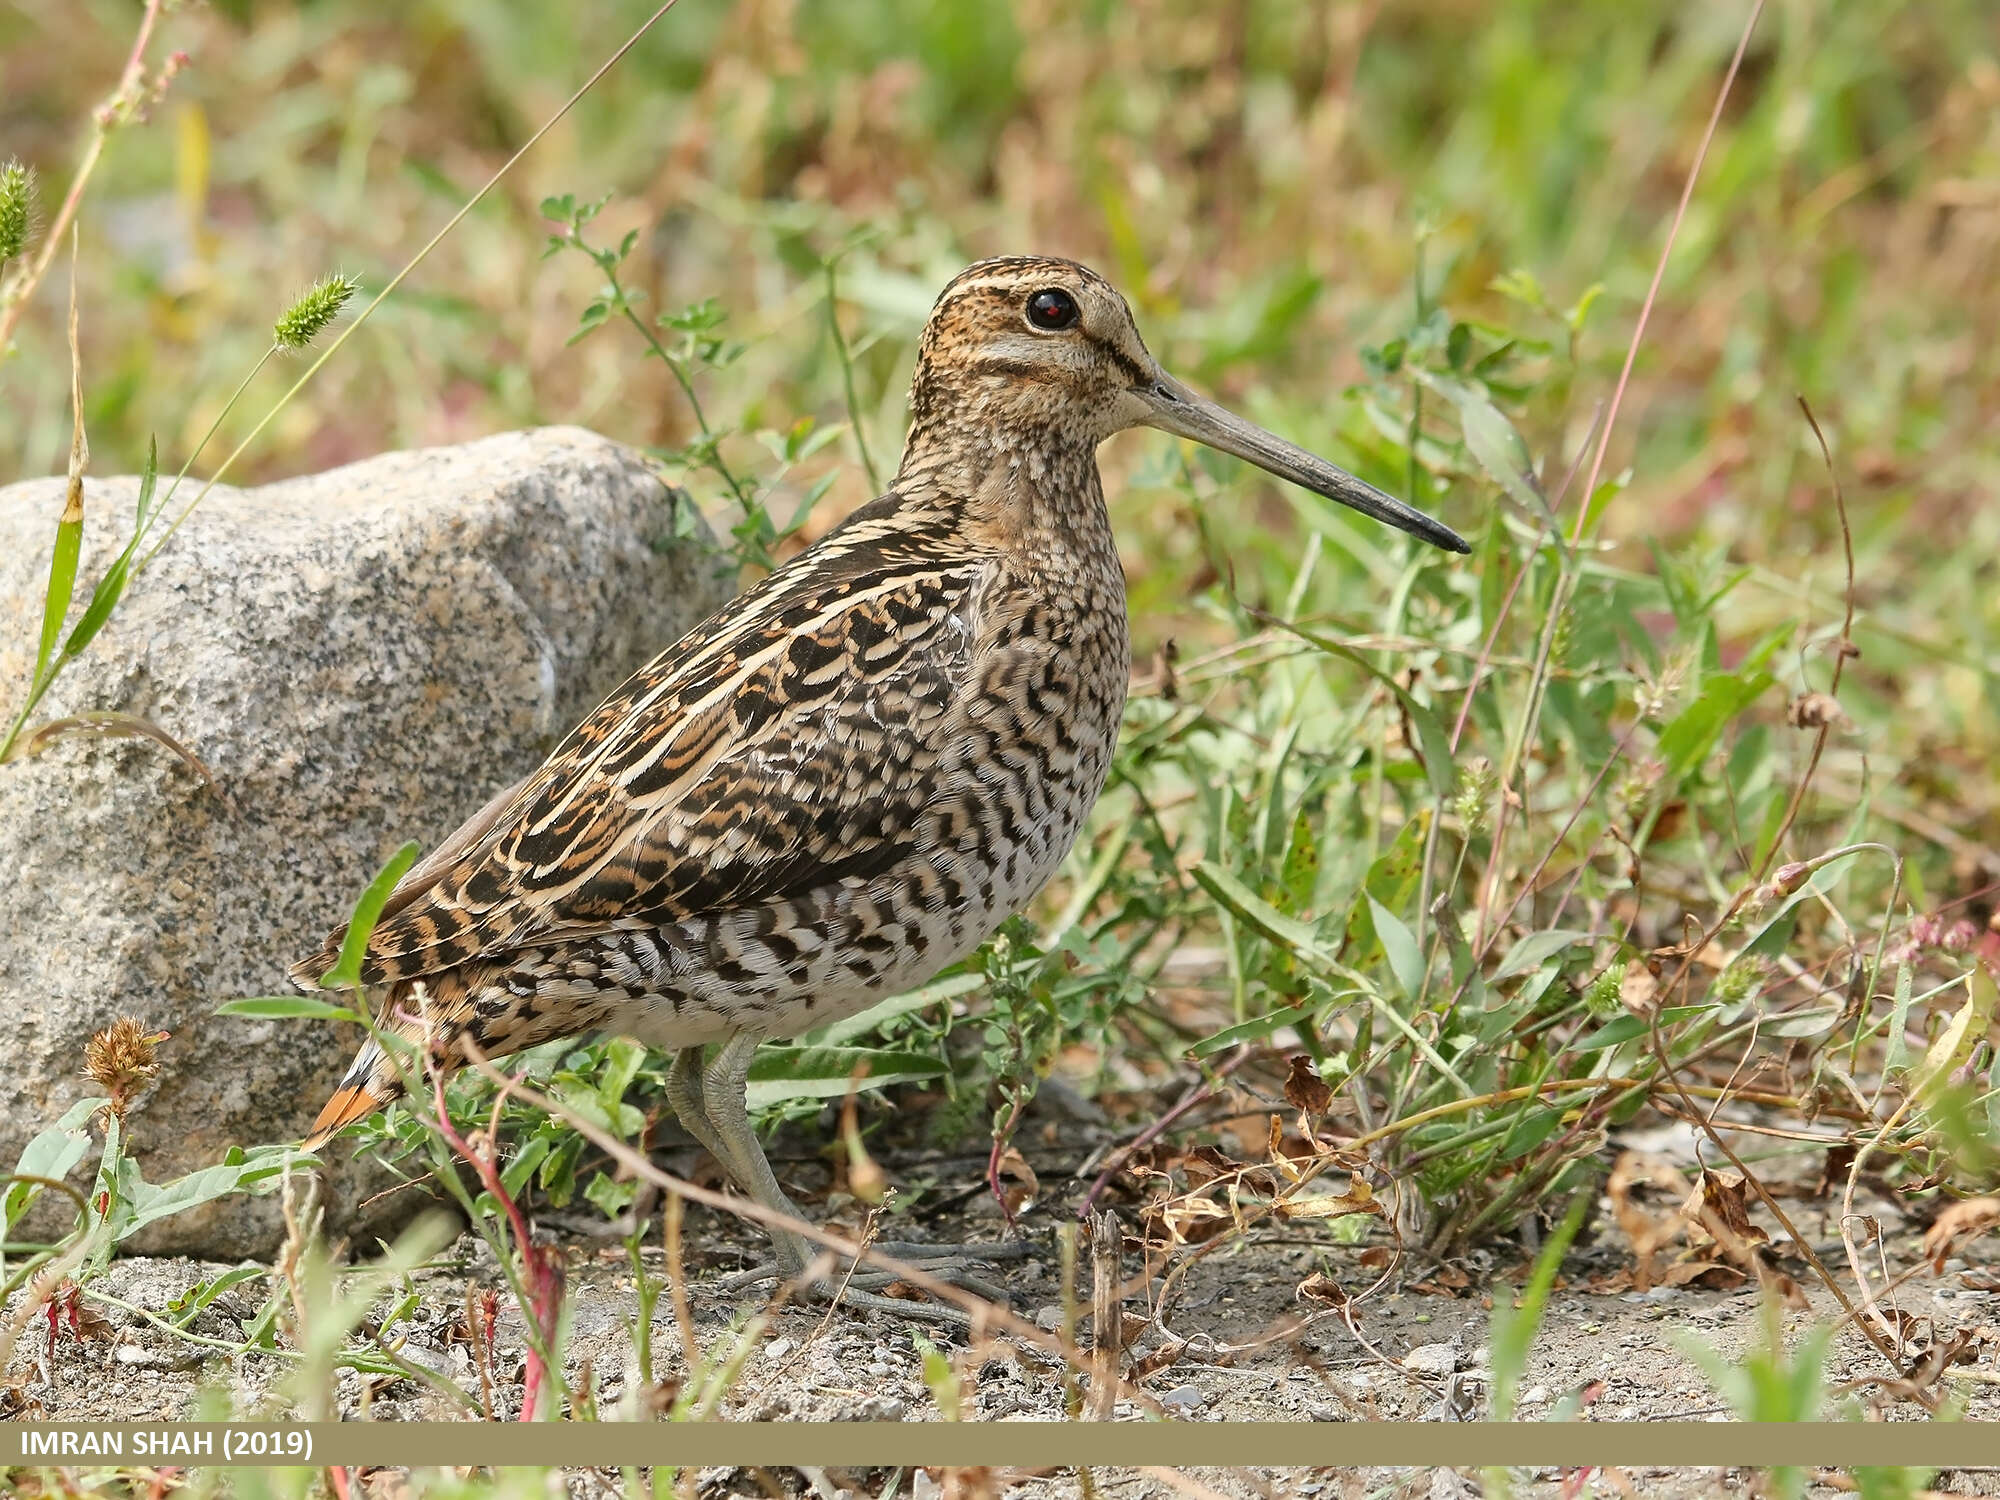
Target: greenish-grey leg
(684,1095)
(723,1102)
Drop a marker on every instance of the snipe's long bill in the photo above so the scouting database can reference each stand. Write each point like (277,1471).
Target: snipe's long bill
(845,779)
(1176,409)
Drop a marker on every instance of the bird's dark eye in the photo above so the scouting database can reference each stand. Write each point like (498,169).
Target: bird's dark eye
(1052,308)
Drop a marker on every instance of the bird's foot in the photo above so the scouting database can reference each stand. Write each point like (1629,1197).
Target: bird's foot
(950,1264)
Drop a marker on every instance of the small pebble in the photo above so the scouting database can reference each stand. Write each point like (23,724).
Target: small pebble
(1048,1319)
(1185,1398)
(1431,1359)
(1534,1395)
(777,1349)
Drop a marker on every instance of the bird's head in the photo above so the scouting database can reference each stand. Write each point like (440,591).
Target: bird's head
(1046,349)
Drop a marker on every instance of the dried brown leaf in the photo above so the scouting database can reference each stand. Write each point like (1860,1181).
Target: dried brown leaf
(1964,1220)
(1718,1214)
(1320,1287)
(1018,1183)
(1649,1232)
(1305,1090)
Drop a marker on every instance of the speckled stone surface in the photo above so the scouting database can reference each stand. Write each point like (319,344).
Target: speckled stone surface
(360,657)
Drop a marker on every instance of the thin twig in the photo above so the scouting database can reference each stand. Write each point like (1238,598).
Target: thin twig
(397,280)
(108,117)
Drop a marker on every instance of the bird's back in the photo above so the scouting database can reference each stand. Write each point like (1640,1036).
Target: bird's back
(836,785)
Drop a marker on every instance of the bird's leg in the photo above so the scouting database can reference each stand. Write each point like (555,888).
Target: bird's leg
(719,1102)
(720,1096)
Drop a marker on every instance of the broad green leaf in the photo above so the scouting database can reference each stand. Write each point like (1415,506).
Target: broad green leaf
(1270,923)
(346,974)
(146,1203)
(1399,944)
(1391,880)
(1298,874)
(1896,1047)
(1493,442)
(53,1153)
(111,587)
(781,1073)
(1625,1028)
(610,1196)
(1253,1030)
(62,586)
(1513,1329)
(514,1176)
(1813,1021)
(1685,742)
(622,1062)
(185,1308)
(1775,931)
(1435,743)
(938,992)
(1531,950)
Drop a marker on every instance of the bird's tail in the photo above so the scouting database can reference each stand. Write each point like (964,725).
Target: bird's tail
(369,1083)
(425,1012)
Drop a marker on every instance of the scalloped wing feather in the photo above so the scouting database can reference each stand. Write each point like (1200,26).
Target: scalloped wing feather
(790,741)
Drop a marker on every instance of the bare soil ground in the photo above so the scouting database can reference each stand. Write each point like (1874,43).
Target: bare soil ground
(1416,1347)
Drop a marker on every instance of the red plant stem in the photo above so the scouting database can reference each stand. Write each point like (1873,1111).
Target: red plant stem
(538,1267)
(1001,1138)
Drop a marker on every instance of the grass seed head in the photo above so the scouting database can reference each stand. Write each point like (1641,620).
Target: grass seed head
(17,209)
(316,307)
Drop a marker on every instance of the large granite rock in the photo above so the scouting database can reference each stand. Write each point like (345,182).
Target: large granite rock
(360,657)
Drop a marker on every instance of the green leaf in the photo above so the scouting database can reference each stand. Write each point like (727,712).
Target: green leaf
(610,1196)
(1430,733)
(514,1176)
(938,992)
(1775,931)
(1245,903)
(781,1073)
(346,974)
(185,1308)
(285,1007)
(1512,1331)
(53,1153)
(1896,1046)
(1399,944)
(1625,1028)
(1963,1032)
(62,588)
(1493,442)
(1253,1030)
(1391,880)
(1531,950)
(1685,743)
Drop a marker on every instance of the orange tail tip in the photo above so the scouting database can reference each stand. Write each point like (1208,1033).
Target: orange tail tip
(345,1107)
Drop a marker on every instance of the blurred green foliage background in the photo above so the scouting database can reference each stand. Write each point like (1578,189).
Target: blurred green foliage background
(1304,202)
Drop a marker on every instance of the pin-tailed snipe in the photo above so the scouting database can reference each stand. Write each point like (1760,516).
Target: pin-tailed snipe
(848,777)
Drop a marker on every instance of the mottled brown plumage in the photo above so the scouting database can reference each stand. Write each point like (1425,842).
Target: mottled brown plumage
(850,775)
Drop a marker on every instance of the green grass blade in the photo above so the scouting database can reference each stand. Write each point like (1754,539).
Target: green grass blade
(62,583)
(346,974)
